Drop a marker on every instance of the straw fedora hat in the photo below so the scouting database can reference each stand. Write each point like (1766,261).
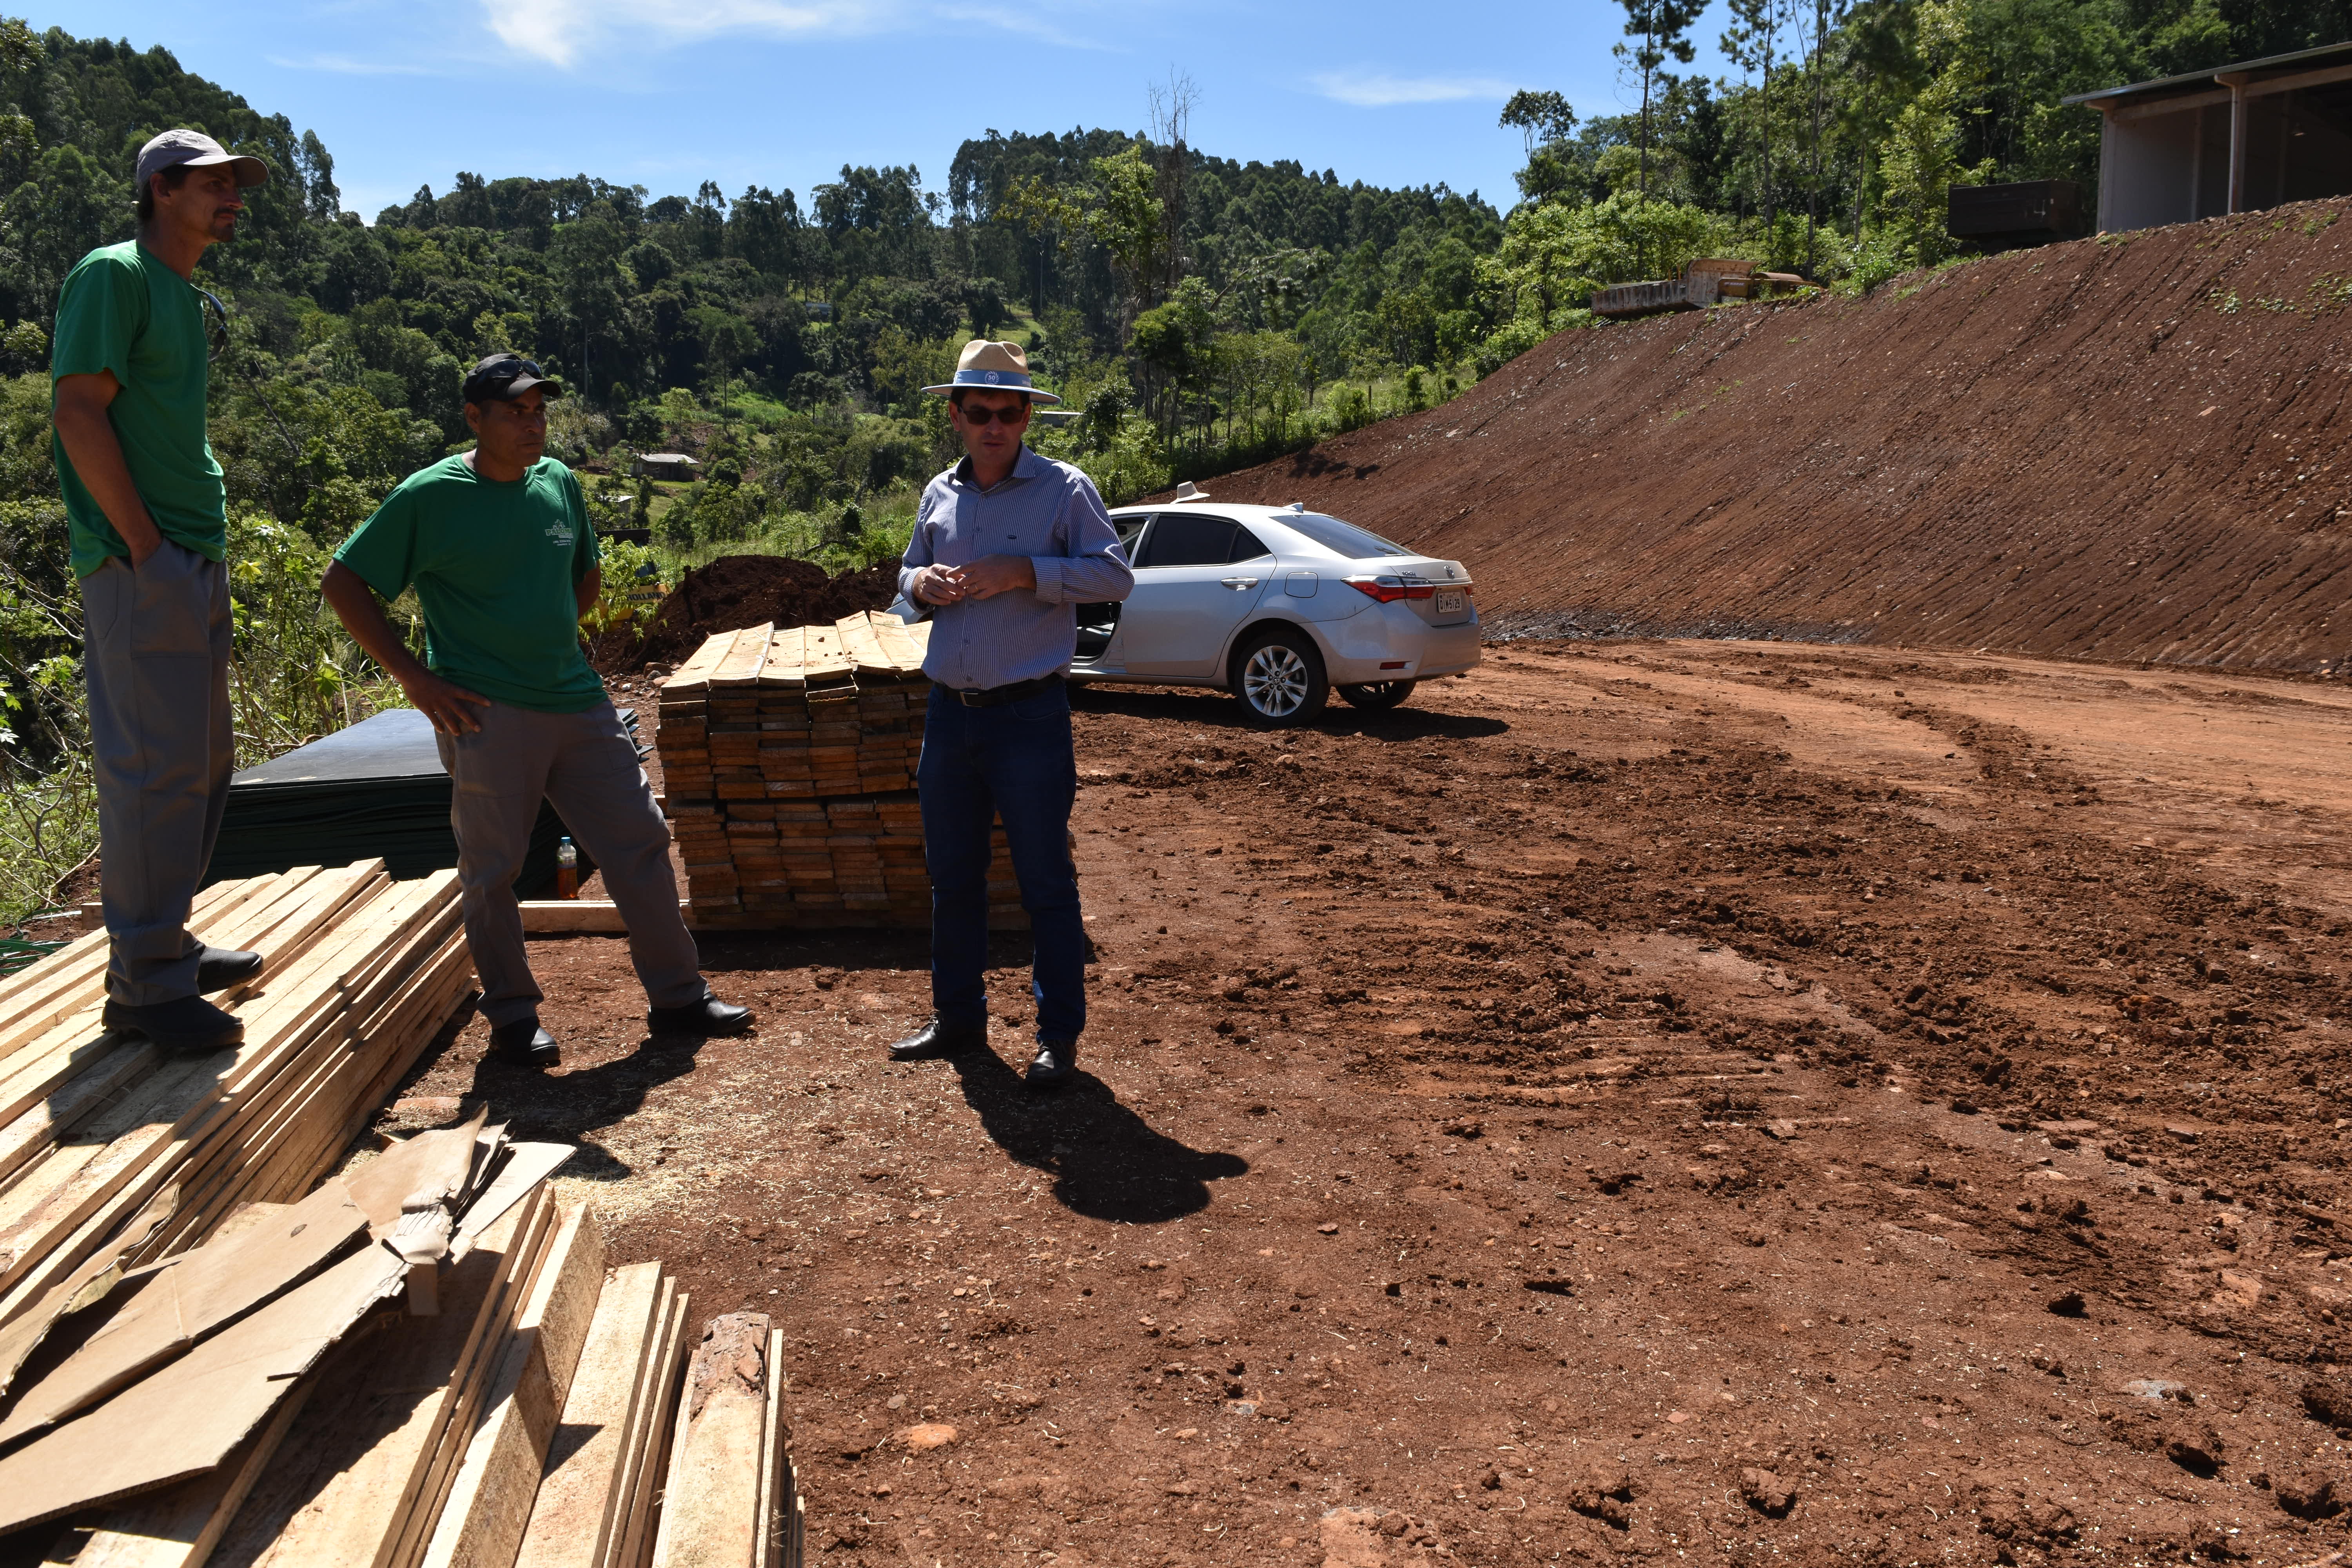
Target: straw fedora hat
(988,366)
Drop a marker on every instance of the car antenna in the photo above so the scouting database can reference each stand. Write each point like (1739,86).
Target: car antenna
(1299,506)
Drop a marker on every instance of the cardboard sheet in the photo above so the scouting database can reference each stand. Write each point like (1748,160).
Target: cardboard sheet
(187,1418)
(204,1290)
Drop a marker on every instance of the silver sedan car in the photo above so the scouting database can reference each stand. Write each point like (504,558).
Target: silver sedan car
(1276,604)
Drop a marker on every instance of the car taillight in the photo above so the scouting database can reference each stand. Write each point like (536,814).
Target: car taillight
(1421,590)
(1386,588)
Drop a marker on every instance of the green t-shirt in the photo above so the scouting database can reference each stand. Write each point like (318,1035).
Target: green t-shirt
(122,309)
(497,565)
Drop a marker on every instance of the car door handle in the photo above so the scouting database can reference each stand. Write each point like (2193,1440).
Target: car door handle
(1238,584)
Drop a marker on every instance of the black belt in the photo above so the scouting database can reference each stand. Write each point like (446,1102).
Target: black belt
(998,696)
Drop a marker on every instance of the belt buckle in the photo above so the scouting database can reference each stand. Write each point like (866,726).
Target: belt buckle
(972,698)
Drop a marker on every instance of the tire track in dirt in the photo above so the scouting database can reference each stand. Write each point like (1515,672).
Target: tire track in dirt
(1642,1100)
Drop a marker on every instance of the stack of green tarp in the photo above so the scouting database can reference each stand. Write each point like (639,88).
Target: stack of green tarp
(376,789)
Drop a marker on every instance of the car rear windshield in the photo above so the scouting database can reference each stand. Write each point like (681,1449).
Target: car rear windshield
(1340,538)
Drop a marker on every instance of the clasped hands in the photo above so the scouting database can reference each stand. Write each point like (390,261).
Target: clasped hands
(981,579)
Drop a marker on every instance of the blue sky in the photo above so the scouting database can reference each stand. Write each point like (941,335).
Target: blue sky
(668,93)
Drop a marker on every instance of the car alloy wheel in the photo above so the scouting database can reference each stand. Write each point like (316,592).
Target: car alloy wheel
(1280,681)
(1377,695)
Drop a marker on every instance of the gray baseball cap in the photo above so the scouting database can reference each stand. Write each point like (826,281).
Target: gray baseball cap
(195,149)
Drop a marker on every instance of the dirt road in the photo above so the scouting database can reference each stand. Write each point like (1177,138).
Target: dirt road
(1725,1101)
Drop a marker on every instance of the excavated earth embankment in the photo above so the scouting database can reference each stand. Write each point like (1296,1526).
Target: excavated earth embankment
(2129,447)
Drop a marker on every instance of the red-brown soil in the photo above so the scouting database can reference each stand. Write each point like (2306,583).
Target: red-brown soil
(737,591)
(1709,1101)
(2129,447)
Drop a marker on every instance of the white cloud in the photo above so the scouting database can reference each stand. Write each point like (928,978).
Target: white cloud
(343,64)
(1377,89)
(561,31)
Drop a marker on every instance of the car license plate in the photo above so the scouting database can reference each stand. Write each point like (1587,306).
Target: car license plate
(1452,601)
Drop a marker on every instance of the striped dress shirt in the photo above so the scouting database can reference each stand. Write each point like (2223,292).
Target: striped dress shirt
(1046,510)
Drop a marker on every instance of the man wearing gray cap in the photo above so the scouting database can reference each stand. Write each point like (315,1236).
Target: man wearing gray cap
(145,509)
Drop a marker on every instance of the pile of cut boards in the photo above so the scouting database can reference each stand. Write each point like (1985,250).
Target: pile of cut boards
(788,758)
(426,1362)
(207,1355)
(113,1155)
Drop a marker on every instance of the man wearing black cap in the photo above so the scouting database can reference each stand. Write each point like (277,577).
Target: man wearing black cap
(145,513)
(498,543)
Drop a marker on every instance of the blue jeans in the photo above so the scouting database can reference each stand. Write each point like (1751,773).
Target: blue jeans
(1014,762)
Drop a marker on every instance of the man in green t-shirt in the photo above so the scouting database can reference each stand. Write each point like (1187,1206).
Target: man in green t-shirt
(498,544)
(144,508)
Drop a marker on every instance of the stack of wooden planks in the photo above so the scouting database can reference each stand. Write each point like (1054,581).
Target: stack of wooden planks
(788,760)
(214,1351)
(113,1155)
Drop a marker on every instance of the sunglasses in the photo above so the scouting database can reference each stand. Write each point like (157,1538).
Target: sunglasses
(1009,418)
(507,370)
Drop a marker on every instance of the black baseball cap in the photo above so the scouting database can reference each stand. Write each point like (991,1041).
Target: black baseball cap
(502,378)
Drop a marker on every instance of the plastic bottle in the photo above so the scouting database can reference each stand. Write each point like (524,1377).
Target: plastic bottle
(567,870)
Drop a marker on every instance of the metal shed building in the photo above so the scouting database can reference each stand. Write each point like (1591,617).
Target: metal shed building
(2234,139)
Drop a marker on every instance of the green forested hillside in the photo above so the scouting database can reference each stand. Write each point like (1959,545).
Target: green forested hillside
(1196,313)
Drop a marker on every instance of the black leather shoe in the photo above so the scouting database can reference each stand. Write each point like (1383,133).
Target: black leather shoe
(188,1024)
(525,1044)
(940,1038)
(707,1017)
(221,967)
(1056,1061)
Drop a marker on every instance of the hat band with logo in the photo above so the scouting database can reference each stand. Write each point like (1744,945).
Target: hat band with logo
(993,378)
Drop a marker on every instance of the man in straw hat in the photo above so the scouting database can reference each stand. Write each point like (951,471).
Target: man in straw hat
(146,517)
(1007,544)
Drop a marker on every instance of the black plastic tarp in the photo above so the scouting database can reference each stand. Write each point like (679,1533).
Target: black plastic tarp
(376,788)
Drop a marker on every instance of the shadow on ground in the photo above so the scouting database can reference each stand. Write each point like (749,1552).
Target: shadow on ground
(1107,1162)
(1216,711)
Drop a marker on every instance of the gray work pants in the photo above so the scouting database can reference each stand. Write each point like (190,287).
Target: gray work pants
(586,763)
(155,658)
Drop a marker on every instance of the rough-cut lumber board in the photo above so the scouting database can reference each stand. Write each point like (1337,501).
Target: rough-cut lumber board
(527,1164)
(490,1505)
(710,1509)
(553,917)
(741,665)
(787,666)
(179,1526)
(20,1335)
(188,1417)
(649,1450)
(340,1495)
(824,659)
(775,1471)
(71,1182)
(66,1085)
(629,1487)
(902,645)
(202,1290)
(431,1166)
(243,1217)
(576,1509)
(694,675)
(438,1471)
